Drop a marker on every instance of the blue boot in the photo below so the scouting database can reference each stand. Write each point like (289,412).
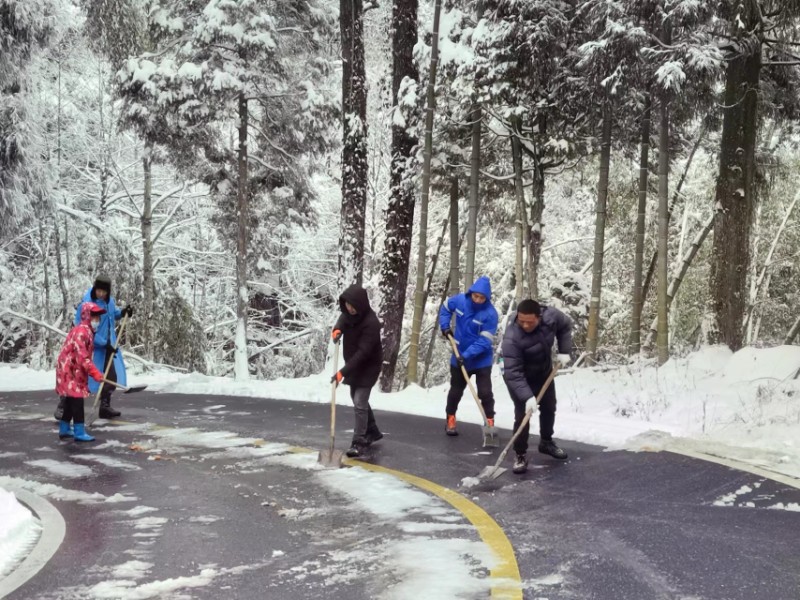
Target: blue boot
(64,430)
(81,435)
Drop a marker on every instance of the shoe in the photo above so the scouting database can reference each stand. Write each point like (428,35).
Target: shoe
(108,413)
(374,437)
(549,447)
(80,433)
(65,431)
(520,464)
(450,428)
(490,422)
(354,451)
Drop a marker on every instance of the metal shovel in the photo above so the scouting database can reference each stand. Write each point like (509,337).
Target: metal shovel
(490,438)
(493,472)
(330,458)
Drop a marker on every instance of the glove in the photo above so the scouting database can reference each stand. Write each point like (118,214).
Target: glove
(531,402)
(336,335)
(460,361)
(127,311)
(113,351)
(447,332)
(337,378)
(563,359)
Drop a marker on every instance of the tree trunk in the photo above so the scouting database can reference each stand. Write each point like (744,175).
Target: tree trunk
(474,189)
(735,197)
(419,293)
(354,144)
(651,269)
(400,212)
(522,216)
(455,243)
(662,338)
(761,285)
(147,250)
(638,261)
(241,364)
(675,285)
(593,331)
(62,281)
(533,231)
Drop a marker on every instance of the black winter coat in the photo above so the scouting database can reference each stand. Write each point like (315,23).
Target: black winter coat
(361,333)
(527,357)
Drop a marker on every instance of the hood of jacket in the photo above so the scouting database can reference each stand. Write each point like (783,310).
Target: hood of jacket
(87,308)
(481,286)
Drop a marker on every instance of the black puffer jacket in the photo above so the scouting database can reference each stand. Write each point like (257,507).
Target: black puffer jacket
(361,333)
(527,357)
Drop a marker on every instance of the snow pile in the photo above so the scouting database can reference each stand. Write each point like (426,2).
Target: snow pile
(19,530)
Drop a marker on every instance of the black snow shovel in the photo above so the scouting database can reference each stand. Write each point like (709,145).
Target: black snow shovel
(92,416)
(331,458)
(490,438)
(496,470)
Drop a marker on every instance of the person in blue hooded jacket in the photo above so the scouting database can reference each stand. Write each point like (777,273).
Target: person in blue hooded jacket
(475,327)
(105,342)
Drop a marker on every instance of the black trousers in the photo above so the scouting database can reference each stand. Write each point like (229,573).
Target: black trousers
(105,395)
(483,381)
(547,413)
(73,409)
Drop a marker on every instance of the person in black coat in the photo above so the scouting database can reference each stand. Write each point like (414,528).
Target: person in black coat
(363,355)
(527,357)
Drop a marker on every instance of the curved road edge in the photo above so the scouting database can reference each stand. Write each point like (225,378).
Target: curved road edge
(53,532)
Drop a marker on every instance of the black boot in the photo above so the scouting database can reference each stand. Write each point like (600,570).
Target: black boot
(373,437)
(520,464)
(106,412)
(549,447)
(59,412)
(355,450)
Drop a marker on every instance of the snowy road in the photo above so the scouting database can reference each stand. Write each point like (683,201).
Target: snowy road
(193,497)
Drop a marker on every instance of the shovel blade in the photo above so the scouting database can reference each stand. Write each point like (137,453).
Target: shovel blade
(135,388)
(490,437)
(491,472)
(330,459)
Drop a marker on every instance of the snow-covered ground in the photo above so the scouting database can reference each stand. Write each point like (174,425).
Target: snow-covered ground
(743,406)
(19,530)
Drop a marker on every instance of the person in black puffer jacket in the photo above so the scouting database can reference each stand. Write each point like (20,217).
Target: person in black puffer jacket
(527,358)
(363,355)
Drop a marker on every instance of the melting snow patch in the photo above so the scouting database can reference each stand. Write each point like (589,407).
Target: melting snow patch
(58,493)
(62,469)
(108,461)
(127,589)
(469,482)
(791,506)
(138,510)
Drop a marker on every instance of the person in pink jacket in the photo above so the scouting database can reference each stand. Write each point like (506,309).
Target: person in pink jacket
(73,370)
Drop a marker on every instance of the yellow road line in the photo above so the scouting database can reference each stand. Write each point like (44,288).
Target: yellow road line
(506,581)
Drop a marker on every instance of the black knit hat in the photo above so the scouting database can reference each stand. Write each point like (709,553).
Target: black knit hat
(102,282)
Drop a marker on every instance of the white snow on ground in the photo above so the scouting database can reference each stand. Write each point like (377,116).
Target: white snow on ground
(60,468)
(48,490)
(108,461)
(19,530)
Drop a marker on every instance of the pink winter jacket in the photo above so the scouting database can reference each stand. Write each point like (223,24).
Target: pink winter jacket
(75,360)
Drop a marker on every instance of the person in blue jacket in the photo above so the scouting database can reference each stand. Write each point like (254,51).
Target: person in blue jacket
(475,328)
(105,342)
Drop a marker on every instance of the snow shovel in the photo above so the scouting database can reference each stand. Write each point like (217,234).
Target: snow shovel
(92,416)
(496,470)
(330,458)
(127,389)
(490,438)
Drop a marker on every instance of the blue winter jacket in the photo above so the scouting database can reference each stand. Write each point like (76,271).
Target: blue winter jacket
(106,335)
(475,326)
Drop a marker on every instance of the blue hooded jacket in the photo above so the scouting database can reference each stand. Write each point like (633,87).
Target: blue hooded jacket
(475,326)
(106,335)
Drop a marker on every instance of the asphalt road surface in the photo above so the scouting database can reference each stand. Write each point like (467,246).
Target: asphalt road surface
(154,515)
